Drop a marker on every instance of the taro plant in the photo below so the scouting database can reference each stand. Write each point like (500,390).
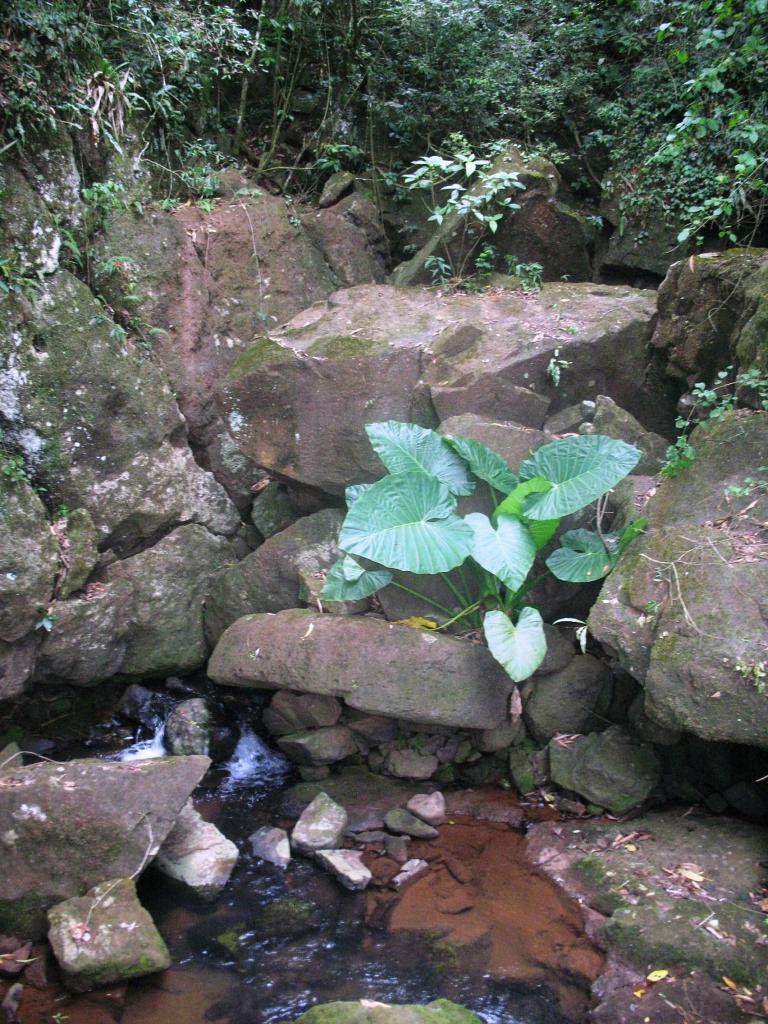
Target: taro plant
(407,521)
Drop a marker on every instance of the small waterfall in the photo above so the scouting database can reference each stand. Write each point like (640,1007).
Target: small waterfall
(143,750)
(254,766)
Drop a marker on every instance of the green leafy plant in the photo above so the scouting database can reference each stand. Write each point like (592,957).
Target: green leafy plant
(439,269)
(407,522)
(12,468)
(711,404)
(529,274)
(556,366)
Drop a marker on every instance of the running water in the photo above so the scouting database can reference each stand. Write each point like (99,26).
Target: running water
(143,750)
(254,766)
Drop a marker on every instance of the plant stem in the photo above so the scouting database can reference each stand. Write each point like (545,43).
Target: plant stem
(465,611)
(463,599)
(422,597)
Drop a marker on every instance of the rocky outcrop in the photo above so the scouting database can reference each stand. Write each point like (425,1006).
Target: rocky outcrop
(297,402)
(372,665)
(69,827)
(268,580)
(105,937)
(684,610)
(713,312)
(29,559)
(96,425)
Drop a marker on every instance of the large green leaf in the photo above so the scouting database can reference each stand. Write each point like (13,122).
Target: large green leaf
(541,530)
(508,551)
(582,558)
(353,492)
(484,463)
(580,470)
(407,522)
(343,583)
(519,648)
(406,448)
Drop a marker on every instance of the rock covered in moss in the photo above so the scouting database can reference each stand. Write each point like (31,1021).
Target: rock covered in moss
(320,826)
(104,937)
(441,1011)
(196,854)
(170,581)
(17,662)
(410,763)
(610,769)
(271,510)
(267,580)
(29,559)
(319,746)
(568,701)
(69,827)
(403,822)
(187,727)
(82,551)
(294,712)
(28,232)
(684,608)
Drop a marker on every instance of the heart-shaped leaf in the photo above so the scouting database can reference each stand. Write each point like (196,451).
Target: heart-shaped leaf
(581,559)
(519,648)
(508,551)
(543,530)
(580,470)
(407,522)
(406,448)
(484,463)
(353,492)
(338,587)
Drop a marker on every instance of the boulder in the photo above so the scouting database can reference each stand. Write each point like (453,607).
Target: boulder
(88,642)
(187,727)
(319,746)
(351,238)
(335,187)
(512,441)
(404,823)
(196,854)
(347,866)
(98,425)
(28,231)
(29,559)
(569,701)
(105,937)
(430,807)
(608,768)
(17,663)
(170,581)
(372,665)
(271,510)
(295,712)
(267,580)
(410,763)
(73,826)
(272,845)
(684,609)
(81,553)
(540,230)
(653,917)
(441,1011)
(613,421)
(713,310)
(139,704)
(320,826)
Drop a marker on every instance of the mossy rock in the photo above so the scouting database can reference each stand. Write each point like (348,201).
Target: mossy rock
(441,1011)
(289,917)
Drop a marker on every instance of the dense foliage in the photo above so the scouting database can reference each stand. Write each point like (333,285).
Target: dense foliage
(661,106)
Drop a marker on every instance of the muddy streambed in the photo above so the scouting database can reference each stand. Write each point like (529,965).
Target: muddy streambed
(482,928)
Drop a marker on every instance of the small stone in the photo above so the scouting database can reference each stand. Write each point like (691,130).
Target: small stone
(503,736)
(271,510)
(335,187)
(412,869)
(187,728)
(136,704)
(197,854)
(320,826)
(105,936)
(566,421)
(319,746)
(372,836)
(296,712)
(402,822)
(397,848)
(348,867)
(271,845)
(587,408)
(410,764)
(430,807)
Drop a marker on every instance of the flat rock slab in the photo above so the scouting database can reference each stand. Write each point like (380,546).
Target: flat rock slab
(347,866)
(402,822)
(197,854)
(320,826)
(411,870)
(430,807)
(104,937)
(72,826)
(271,845)
(374,666)
(491,804)
(653,909)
